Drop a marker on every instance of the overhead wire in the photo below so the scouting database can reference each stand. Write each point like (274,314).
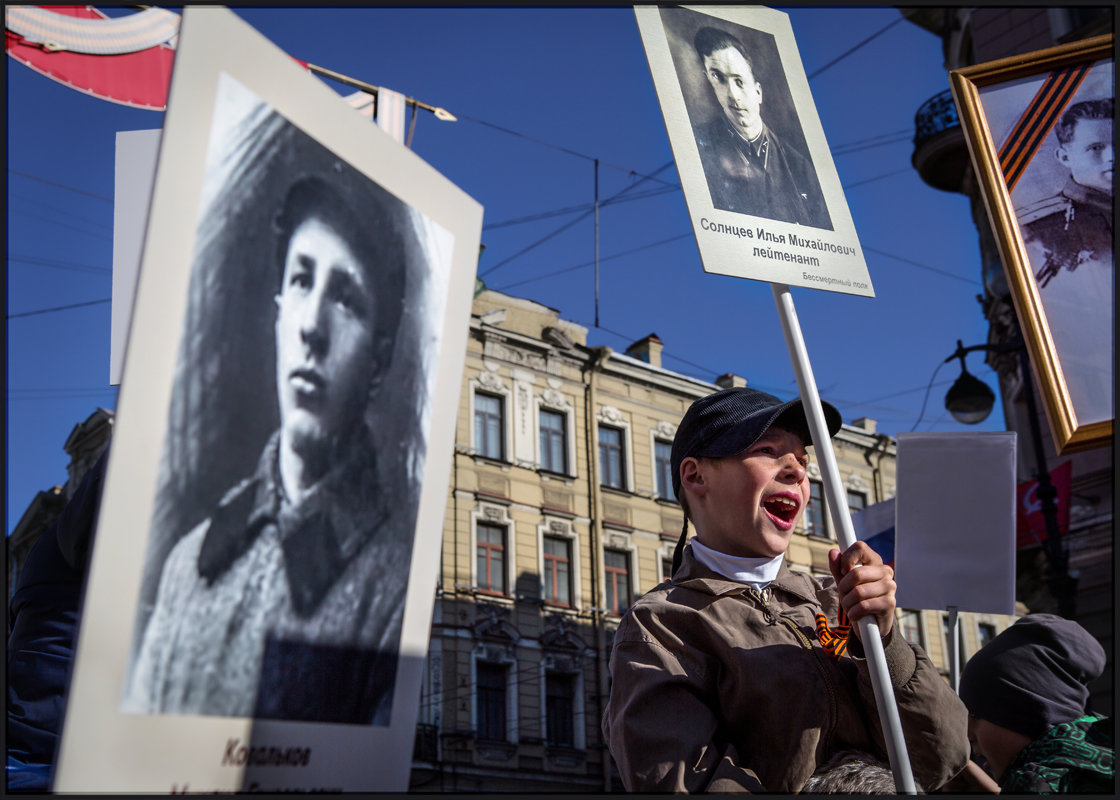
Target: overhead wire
(59,308)
(927,267)
(570,223)
(843,151)
(591,263)
(848,186)
(853,49)
(559,212)
(68,265)
(60,185)
(65,212)
(47,394)
(59,224)
(562,149)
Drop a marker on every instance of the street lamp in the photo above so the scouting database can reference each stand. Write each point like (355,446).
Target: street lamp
(970,401)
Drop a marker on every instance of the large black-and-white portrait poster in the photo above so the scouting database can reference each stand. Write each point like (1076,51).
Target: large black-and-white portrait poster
(757,175)
(265,564)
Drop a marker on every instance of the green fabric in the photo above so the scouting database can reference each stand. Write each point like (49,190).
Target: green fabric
(1072,757)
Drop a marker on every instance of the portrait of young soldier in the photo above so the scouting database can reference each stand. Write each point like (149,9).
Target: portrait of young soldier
(286,599)
(750,165)
(1068,237)
(739,673)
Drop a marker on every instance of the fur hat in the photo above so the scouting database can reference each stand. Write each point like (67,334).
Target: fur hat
(1033,675)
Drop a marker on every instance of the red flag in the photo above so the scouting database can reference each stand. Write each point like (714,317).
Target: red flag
(1030,522)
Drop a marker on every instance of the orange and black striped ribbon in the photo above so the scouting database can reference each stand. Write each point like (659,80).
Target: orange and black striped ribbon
(1035,123)
(834,640)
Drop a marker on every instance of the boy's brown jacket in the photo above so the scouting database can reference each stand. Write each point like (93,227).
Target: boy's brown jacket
(718,688)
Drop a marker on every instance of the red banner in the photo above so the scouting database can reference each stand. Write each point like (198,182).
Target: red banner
(1030,522)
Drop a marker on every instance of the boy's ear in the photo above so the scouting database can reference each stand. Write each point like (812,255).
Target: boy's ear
(1063,155)
(692,477)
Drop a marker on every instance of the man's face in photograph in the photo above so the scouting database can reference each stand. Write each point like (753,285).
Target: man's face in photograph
(1089,154)
(738,93)
(324,338)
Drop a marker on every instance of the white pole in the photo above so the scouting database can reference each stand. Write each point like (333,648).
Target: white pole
(954,650)
(842,521)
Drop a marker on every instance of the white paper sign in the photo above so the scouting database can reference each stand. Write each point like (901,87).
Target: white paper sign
(132,192)
(260,595)
(758,178)
(955,521)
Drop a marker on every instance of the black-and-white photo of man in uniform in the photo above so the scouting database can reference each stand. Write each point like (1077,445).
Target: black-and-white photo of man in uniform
(751,168)
(285,599)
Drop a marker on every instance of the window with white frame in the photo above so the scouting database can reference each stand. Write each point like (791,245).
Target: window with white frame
(490,553)
(559,710)
(857,501)
(489,425)
(611,457)
(962,654)
(557,573)
(665,560)
(554,440)
(616,568)
(490,700)
(985,632)
(911,625)
(815,524)
(663,467)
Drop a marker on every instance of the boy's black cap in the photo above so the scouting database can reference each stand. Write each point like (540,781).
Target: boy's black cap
(729,421)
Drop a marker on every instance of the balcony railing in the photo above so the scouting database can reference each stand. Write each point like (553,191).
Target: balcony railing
(935,115)
(940,154)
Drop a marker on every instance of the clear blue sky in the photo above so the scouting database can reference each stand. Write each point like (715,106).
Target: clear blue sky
(575,79)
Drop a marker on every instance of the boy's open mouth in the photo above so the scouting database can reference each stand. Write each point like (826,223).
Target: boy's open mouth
(782,507)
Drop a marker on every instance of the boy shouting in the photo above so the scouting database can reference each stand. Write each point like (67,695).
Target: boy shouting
(738,673)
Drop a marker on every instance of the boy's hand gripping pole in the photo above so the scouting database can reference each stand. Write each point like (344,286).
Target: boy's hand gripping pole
(845,534)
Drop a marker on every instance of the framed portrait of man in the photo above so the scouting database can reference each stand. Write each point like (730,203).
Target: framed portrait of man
(261,587)
(1039,129)
(757,174)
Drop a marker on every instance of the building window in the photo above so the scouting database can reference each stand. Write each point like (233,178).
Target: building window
(554,441)
(610,457)
(491,551)
(666,568)
(911,622)
(856,501)
(491,707)
(814,511)
(557,570)
(663,463)
(962,654)
(986,632)
(616,565)
(559,709)
(488,426)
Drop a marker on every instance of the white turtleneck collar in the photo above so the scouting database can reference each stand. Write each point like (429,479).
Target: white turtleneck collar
(755,572)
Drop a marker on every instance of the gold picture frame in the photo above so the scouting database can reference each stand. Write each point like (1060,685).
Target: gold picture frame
(1049,234)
